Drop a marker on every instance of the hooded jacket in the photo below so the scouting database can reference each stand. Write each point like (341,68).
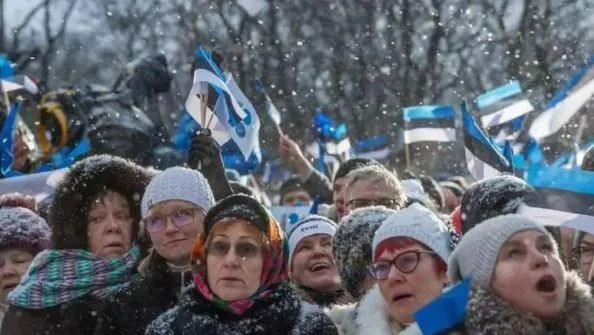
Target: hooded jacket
(280,313)
(131,309)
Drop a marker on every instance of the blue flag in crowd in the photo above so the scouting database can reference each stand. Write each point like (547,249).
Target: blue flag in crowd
(566,197)
(483,158)
(375,147)
(446,311)
(6,68)
(429,123)
(332,145)
(566,102)
(7,138)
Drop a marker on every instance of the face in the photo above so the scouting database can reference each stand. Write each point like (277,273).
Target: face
(20,151)
(338,196)
(313,264)
(529,274)
(451,200)
(365,193)
(586,266)
(13,265)
(174,227)
(109,229)
(405,293)
(234,260)
(296,198)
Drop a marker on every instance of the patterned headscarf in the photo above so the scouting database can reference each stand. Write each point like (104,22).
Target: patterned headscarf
(274,269)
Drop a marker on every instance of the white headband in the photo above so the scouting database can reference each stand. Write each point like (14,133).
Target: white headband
(306,228)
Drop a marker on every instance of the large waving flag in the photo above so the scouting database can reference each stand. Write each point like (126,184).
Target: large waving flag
(566,197)
(503,105)
(429,123)
(483,158)
(568,101)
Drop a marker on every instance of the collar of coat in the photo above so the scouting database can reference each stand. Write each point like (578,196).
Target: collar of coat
(489,314)
(322,299)
(373,315)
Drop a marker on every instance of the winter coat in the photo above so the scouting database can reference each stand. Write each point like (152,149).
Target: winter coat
(373,315)
(489,314)
(322,299)
(131,309)
(344,317)
(279,313)
(76,317)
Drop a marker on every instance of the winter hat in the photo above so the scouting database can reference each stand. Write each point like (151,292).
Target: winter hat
(238,206)
(81,185)
(22,228)
(456,189)
(178,183)
(308,226)
(290,185)
(476,254)
(414,190)
(419,223)
(493,197)
(351,245)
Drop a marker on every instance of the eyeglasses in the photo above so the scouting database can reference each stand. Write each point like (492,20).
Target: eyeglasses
(406,262)
(180,218)
(244,250)
(361,203)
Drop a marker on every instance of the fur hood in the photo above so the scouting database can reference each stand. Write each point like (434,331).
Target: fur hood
(489,314)
(373,316)
(343,316)
(322,299)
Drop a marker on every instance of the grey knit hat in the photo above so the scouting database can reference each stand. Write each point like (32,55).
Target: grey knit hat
(22,228)
(419,223)
(351,245)
(178,183)
(477,253)
(308,226)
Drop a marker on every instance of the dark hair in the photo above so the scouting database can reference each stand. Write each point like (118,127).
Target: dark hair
(460,181)
(290,185)
(354,164)
(588,162)
(18,200)
(240,189)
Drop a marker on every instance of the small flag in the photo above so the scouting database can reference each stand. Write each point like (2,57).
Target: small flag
(429,124)
(445,312)
(272,111)
(6,139)
(6,68)
(332,146)
(569,100)
(566,197)
(502,105)
(373,148)
(483,158)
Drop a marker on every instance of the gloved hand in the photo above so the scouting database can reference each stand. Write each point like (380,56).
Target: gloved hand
(205,156)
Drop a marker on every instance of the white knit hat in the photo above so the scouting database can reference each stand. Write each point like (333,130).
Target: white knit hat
(419,223)
(308,226)
(178,183)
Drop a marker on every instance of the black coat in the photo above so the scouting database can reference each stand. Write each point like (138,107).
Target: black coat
(281,313)
(76,317)
(131,309)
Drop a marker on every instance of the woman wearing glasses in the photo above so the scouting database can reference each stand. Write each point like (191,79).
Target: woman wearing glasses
(410,252)
(173,209)
(239,263)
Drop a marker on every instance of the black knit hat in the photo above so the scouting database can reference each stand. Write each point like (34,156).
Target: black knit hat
(238,206)
(493,197)
(81,185)
(292,184)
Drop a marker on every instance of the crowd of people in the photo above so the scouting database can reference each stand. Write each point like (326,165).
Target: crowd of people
(123,249)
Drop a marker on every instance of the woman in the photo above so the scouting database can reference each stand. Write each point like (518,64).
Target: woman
(95,218)
(173,210)
(23,234)
(410,252)
(519,283)
(240,279)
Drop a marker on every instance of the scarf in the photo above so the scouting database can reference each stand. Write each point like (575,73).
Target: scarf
(59,276)
(274,270)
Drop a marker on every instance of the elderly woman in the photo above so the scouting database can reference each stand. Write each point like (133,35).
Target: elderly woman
(519,283)
(240,279)
(410,252)
(95,215)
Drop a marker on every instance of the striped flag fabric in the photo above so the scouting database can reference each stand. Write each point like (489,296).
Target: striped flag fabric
(568,101)
(503,105)
(375,147)
(566,197)
(429,124)
(484,159)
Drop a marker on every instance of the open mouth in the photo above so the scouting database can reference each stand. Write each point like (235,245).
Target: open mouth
(401,297)
(10,287)
(319,267)
(546,284)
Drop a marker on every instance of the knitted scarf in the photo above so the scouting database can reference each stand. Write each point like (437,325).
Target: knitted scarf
(274,270)
(59,276)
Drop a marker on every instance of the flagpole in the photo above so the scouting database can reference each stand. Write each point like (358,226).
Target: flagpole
(406,150)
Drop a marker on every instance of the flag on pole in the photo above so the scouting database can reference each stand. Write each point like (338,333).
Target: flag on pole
(429,124)
(568,101)
(566,197)
(270,107)
(503,105)
(484,159)
(373,148)
(332,146)
(6,68)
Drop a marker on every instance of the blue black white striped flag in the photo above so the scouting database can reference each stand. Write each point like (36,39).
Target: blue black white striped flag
(429,124)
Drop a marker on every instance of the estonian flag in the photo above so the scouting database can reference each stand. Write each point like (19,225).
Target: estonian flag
(373,148)
(566,197)
(429,124)
(483,158)
(503,105)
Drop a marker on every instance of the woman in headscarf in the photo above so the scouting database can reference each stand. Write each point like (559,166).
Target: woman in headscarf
(240,279)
